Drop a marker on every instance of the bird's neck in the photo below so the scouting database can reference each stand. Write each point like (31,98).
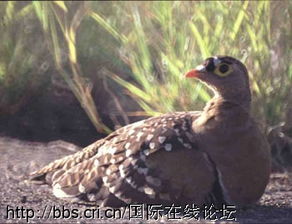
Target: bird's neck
(222,114)
(233,105)
(236,98)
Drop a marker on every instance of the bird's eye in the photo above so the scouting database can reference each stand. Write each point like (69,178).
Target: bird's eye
(223,70)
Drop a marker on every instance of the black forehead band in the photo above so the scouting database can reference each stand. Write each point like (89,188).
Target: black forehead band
(210,66)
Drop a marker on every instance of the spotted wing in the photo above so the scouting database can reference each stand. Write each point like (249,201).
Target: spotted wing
(120,166)
(129,176)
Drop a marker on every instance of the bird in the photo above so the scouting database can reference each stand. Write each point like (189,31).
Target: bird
(217,155)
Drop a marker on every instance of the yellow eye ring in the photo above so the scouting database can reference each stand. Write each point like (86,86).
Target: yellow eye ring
(223,70)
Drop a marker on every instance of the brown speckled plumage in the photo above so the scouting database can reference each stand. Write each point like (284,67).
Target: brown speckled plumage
(216,155)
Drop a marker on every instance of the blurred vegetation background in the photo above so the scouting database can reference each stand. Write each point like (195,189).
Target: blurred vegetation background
(77,70)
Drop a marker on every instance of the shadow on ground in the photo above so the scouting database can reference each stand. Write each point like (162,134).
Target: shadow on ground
(18,158)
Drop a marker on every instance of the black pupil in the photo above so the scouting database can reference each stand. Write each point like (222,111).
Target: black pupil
(223,68)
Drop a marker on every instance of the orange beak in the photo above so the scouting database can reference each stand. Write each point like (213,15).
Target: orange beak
(192,74)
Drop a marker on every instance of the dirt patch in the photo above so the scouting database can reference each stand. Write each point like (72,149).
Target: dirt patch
(18,158)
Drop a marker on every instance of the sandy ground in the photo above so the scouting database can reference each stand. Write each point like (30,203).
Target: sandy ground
(21,201)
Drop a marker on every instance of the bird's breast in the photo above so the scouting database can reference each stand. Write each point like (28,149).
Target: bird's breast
(242,158)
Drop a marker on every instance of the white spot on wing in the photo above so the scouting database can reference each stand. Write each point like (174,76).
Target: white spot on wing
(168,147)
(81,188)
(121,166)
(129,152)
(113,189)
(152,145)
(164,130)
(139,135)
(91,197)
(105,179)
(112,150)
(131,182)
(96,162)
(184,126)
(149,137)
(137,124)
(122,171)
(127,145)
(108,172)
(132,131)
(146,152)
(180,140)
(187,145)
(149,191)
(142,170)
(161,139)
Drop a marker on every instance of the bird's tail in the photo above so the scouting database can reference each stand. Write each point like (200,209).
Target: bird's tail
(44,175)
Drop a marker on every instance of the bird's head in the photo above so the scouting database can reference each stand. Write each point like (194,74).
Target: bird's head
(226,76)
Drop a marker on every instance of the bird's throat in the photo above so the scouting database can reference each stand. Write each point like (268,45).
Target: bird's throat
(220,104)
(219,113)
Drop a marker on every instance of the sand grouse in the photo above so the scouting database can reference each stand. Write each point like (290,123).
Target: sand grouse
(212,156)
